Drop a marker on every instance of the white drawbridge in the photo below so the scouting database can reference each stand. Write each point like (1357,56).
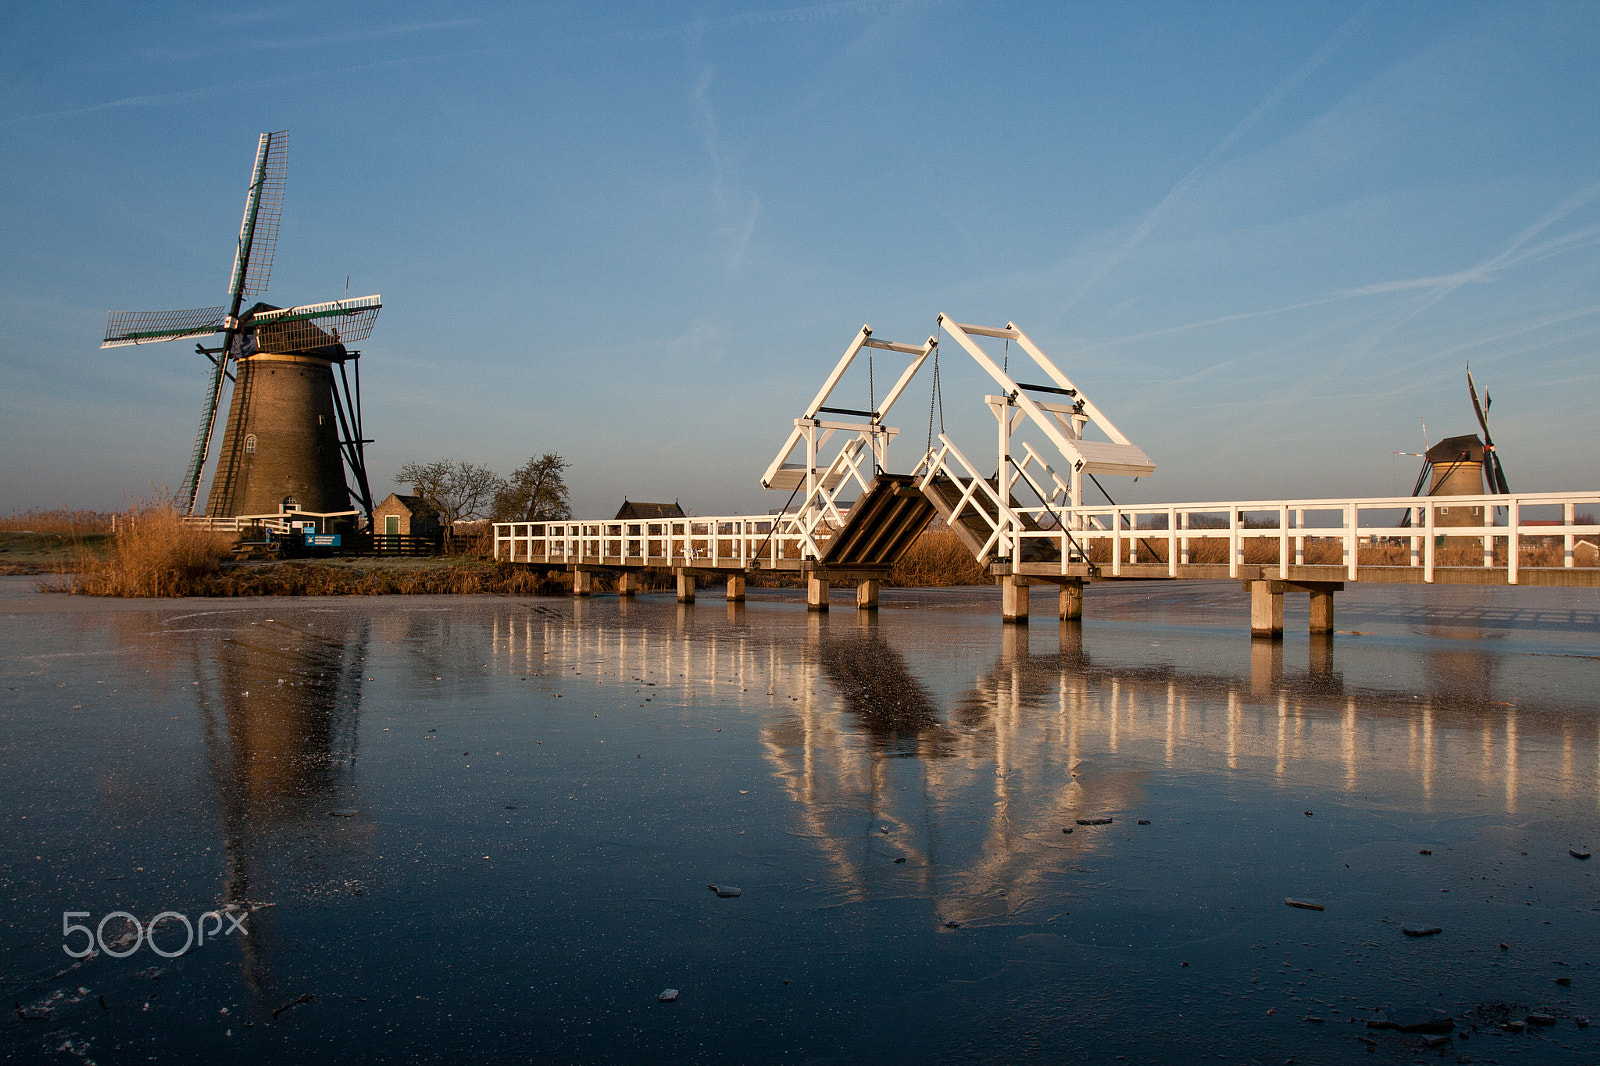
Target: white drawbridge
(851,516)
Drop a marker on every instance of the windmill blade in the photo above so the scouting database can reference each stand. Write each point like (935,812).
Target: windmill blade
(1422,478)
(1499,480)
(316,325)
(202,441)
(146,327)
(258,232)
(1478,408)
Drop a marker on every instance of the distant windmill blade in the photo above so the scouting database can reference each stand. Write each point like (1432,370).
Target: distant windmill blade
(311,326)
(1478,409)
(1422,478)
(146,327)
(1500,483)
(202,441)
(1493,472)
(258,232)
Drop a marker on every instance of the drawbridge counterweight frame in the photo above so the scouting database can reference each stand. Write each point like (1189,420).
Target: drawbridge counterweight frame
(982,510)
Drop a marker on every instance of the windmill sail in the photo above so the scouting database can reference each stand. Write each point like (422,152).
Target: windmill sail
(252,268)
(144,327)
(190,489)
(296,329)
(258,232)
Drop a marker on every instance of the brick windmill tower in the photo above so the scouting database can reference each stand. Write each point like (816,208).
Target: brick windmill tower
(294,421)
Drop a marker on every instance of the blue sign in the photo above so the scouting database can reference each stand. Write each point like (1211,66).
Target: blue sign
(322,540)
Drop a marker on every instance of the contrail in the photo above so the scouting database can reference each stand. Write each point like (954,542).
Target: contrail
(1484,270)
(1273,99)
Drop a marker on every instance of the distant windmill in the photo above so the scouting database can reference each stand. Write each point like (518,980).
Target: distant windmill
(292,428)
(1461,466)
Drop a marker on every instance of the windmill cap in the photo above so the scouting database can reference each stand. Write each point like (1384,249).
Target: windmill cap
(1457,449)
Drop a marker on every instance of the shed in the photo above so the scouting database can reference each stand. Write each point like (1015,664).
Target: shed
(406,515)
(649,511)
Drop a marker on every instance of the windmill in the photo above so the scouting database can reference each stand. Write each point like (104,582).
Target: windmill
(1461,466)
(293,429)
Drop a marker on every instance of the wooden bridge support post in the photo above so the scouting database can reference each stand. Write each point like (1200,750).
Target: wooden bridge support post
(735,588)
(1014,599)
(685,585)
(1321,611)
(867,595)
(627,583)
(1266,609)
(816,592)
(1072,601)
(582,582)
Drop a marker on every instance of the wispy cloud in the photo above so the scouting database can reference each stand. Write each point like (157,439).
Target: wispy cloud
(1176,193)
(735,212)
(1512,253)
(373,33)
(805,13)
(253,85)
(1434,286)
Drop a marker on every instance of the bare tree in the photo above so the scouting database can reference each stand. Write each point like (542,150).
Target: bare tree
(536,492)
(459,490)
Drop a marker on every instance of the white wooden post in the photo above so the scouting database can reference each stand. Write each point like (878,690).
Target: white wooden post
(1513,539)
(1350,544)
(1283,541)
(1235,542)
(1428,545)
(1116,541)
(1488,539)
(1172,542)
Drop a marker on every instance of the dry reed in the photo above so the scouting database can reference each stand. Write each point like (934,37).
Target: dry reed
(60,520)
(937,559)
(154,553)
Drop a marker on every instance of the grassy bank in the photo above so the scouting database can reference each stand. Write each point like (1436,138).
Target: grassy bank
(154,553)
(46,542)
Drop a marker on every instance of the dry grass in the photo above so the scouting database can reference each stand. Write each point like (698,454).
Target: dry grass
(61,520)
(937,559)
(154,553)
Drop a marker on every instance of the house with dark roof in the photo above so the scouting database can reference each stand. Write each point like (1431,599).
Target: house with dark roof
(649,511)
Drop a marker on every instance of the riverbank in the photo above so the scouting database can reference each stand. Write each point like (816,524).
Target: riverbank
(163,557)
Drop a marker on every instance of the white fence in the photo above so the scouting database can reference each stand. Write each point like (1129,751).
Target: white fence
(725,542)
(1404,531)
(1511,531)
(279,523)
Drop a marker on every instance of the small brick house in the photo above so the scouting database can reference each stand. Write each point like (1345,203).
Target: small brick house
(406,515)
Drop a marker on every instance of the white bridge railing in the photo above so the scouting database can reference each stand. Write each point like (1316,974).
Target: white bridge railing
(1510,533)
(734,541)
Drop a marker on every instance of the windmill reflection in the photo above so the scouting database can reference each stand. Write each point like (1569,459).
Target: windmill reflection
(279,707)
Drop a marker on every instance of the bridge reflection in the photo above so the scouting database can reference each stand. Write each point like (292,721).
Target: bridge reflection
(972,783)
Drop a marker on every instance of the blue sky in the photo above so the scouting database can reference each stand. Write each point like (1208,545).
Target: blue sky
(1264,238)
